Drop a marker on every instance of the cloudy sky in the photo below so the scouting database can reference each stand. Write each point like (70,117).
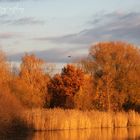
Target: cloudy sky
(55,29)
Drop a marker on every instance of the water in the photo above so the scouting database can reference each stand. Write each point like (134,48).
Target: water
(132,133)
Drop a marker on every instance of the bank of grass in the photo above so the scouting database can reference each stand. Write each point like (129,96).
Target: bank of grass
(59,119)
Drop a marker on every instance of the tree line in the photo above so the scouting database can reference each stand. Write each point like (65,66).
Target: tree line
(108,79)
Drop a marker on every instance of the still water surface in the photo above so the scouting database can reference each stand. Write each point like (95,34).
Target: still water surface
(132,133)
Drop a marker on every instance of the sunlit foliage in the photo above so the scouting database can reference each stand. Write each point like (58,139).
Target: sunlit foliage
(64,86)
(5,72)
(83,100)
(115,68)
(31,84)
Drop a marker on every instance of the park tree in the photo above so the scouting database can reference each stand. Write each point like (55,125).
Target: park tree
(31,84)
(115,69)
(64,86)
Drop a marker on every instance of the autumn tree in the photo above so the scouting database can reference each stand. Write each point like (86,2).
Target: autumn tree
(64,86)
(83,100)
(31,85)
(10,107)
(5,73)
(115,68)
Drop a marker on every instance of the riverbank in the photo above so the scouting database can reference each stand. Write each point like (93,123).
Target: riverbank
(59,119)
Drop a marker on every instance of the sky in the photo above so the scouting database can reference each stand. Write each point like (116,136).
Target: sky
(56,29)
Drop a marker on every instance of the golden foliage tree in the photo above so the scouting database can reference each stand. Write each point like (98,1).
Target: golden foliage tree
(5,73)
(31,85)
(115,68)
(84,98)
(65,85)
(10,107)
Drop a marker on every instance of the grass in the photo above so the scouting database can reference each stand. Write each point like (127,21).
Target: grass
(59,119)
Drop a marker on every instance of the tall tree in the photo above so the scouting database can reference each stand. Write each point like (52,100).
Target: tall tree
(115,68)
(31,85)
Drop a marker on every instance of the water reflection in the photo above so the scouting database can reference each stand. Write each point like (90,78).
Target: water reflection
(94,134)
(131,133)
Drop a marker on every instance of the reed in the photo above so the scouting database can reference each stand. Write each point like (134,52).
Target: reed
(134,118)
(120,119)
(59,119)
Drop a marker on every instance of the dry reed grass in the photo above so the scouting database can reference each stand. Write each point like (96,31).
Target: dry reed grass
(59,119)
(120,119)
(134,118)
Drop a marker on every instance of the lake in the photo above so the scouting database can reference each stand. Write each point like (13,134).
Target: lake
(131,133)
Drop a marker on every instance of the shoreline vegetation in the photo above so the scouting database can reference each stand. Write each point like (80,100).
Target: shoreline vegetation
(60,119)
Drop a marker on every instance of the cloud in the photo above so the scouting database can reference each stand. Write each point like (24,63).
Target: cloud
(55,55)
(27,21)
(52,55)
(21,21)
(8,0)
(15,0)
(105,27)
(8,35)
(3,16)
